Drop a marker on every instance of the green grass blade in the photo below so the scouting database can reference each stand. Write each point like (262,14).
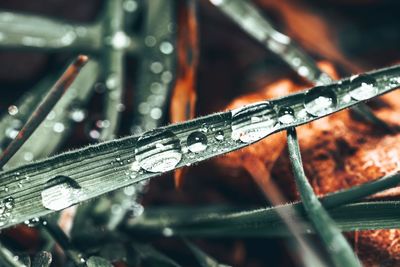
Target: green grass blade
(108,166)
(261,222)
(32,32)
(95,261)
(340,250)
(203,258)
(45,140)
(153,257)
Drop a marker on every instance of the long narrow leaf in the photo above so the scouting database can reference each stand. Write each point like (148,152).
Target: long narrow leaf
(264,222)
(340,250)
(43,187)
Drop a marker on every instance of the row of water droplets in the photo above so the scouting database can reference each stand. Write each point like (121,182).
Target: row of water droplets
(162,150)
(160,75)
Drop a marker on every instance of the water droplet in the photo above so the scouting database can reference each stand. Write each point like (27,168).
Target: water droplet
(167,232)
(137,209)
(156,113)
(217,2)
(130,5)
(6,207)
(197,142)
(13,110)
(166,76)
(286,115)
(166,48)
(120,40)
(28,156)
(130,190)
(94,128)
(58,127)
(219,135)
(9,203)
(32,222)
(303,71)
(77,114)
(253,122)
(33,41)
(61,192)
(112,81)
(158,151)
(365,87)
(156,67)
(150,41)
(319,102)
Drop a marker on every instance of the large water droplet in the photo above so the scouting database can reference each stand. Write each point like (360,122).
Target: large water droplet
(253,122)
(61,192)
(286,115)
(365,87)
(197,142)
(219,135)
(158,151)
(320,102)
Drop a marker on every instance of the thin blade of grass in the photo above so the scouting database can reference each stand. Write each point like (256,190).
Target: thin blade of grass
(152,256)
(340,250)
(62,239)
(262,30)
(203,258)
(113,60)
(7,258)
(43,109)
(105,167)
(48,137)
(95,261)
(258,222)
(30,32)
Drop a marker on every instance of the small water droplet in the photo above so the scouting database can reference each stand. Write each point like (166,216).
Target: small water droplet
(156,67)
(365,87)
(112,81)
(137,209)
(58,127)
(130,5)
(77,114)
(167,232)
(197,142)
(219,135)
(303,71)
(61,192)
(155,113)
(166,48)
(253,122)
(286,115)
(158,151)
(120,40)
(6,207)
(319,102)
(32,222)
(9,203)
(93,128)
(150,41)
(13,110)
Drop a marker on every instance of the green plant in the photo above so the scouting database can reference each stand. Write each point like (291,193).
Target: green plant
(49,185)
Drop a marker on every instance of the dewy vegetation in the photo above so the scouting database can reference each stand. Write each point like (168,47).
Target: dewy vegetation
(32,189)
